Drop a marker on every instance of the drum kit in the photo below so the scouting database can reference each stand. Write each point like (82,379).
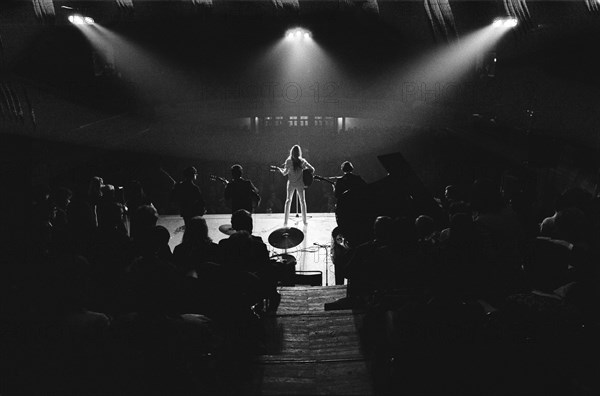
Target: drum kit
(281,238)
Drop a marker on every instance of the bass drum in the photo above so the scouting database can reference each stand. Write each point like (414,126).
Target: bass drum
(284,268)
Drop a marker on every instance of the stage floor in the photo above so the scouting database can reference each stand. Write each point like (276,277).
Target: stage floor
(313,254)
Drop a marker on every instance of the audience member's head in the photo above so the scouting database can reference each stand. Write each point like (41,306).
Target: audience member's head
(237,171)
(425,226)
(144,219)
(571,224)
(160,235)
(241,220)
(196,231)
(382,228)
(347,167)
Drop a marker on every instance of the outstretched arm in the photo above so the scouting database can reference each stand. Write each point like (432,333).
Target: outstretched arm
(308,166)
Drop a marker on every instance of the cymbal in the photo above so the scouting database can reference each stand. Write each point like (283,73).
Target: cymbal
(226,229)
(286,237)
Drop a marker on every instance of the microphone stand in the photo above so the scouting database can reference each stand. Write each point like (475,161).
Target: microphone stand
(326,247)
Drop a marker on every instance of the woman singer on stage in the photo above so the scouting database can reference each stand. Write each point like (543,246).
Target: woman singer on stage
(293,167)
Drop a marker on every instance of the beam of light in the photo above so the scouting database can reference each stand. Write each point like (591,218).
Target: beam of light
(150,78)
(299,71)
(438,74)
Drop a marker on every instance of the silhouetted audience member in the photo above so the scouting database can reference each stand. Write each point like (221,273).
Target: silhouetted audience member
(144,219)
(245,252)
(70,355)
(462,270)
(502,234)
(575,198)
(401,263)
(196,248)
(362,268)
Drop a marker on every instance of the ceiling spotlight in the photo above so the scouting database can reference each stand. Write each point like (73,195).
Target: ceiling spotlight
(298,34)
(80,20)
(505,22)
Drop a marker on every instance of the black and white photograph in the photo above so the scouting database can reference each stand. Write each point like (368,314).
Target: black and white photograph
(300,197)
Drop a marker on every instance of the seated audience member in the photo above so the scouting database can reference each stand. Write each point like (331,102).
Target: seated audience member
(461,271)
(160,348)
(196,248)
(572,198)
(401,262)
(151,273)
(162,237)
(245,252)
(425,228)
(503,236)
(76,337)
(144,219)
(547,264)
(454,208)
(361,270)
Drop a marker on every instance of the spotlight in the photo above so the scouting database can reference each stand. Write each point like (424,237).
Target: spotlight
(298,34)
(505,22)
(80,20)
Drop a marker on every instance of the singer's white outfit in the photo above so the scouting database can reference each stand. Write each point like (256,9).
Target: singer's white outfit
(295,183)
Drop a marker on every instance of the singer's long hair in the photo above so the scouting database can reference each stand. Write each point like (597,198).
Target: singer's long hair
(295,156)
